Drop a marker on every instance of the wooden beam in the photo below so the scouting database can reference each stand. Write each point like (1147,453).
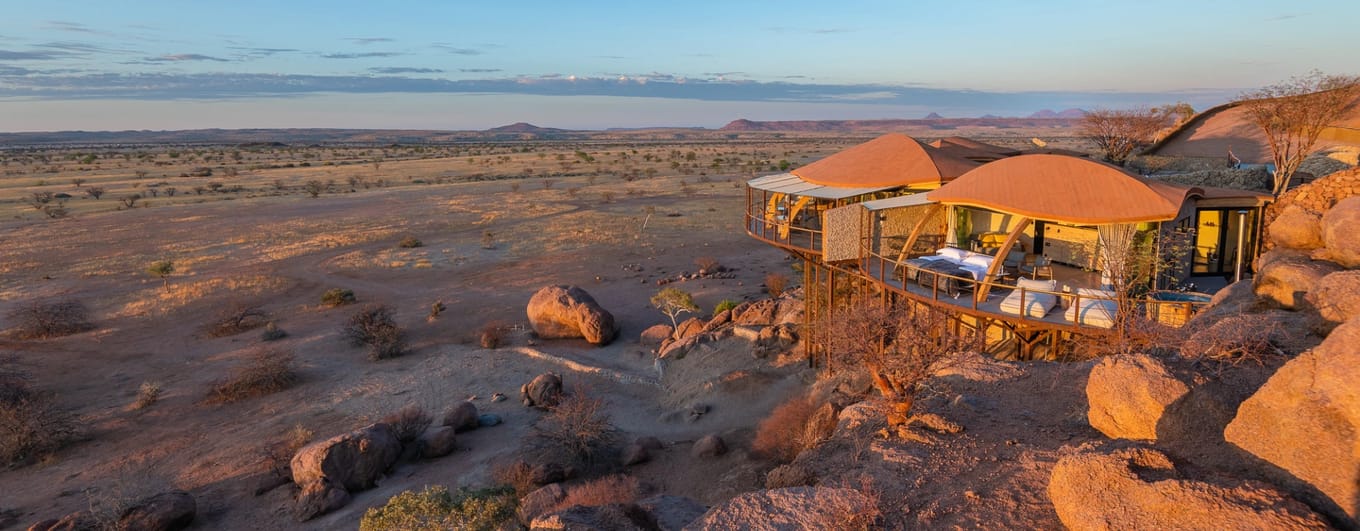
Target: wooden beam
(1001,257)
(916,231)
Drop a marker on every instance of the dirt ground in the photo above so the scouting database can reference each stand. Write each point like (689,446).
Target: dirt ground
(282,252)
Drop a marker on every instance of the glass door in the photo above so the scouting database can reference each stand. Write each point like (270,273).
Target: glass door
(1208,243)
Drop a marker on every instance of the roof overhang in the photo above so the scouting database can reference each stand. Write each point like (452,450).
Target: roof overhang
(788,183)
(902,201)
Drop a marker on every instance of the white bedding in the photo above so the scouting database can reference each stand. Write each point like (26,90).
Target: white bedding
(975,264)
(1098,310)
(1036,303)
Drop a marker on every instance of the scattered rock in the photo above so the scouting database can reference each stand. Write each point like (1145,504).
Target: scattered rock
(462,417)
(1139,488)
(543,392)
(318,498)
(560,312)
(1306,418)
(1337,296)
(1338,232)
(1296,228)
(538,502)
(689,328)
(545,473)
(612,517)
(166,511)
(788,508)
(352,460)
(1286,277)
(790,475)
(672,513)
(436,442)
(756,313)
(868,412)
(709,446)
(488,420)
(1128,395)
(635,454)
(722,318)
(498,397)
(656,334)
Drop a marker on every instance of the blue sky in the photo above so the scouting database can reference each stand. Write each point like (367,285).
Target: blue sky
(596,64)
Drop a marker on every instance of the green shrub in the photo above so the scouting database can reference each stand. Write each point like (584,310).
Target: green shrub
(435,509)
(337,297)
(724,305)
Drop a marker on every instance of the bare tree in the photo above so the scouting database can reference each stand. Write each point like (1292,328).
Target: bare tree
(1294,113)
(900,348)
(1118,133)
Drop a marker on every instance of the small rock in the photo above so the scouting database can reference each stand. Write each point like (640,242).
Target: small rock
(487,420)
(709,446)
(538,502)
(318,498)
(436,442)
(498,397)
(167,511)
(462,417)
(672,513)
(655,335)
(635,454)
(545,391)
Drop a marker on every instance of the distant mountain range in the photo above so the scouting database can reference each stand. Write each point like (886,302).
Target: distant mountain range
(1067,114)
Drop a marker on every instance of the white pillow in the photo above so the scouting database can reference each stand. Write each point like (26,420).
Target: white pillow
(952,253)
(981,260)
(1095,293)
(1040,285)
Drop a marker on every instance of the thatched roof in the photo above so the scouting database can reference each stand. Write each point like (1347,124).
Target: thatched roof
(893,159)
(1065,189)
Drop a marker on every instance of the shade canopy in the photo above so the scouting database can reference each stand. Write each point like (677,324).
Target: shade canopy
(1065,189)
(788,183)
(891,160)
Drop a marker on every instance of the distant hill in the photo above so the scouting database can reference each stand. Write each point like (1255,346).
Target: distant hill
(934,116)
(523,127)
(1069,114)
(1217,130)
(897,125)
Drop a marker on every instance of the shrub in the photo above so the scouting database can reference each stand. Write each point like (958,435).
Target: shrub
(776,284)
(374,327)
(278,455)
(272,332)
(268,370)
(32,425)
(161,269)
(337,297)
(435,509)
(781,435)
(410,242)
(724,305)
(517,475)
(148,393)
(578,425)
(408,422)
(47,319)
(603,491)
(488,240)
(493,334)
(236,319)
(707,264)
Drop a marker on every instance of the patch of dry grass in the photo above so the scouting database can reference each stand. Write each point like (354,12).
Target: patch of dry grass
(268,370)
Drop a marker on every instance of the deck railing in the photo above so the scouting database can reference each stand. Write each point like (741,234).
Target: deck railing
(782,232)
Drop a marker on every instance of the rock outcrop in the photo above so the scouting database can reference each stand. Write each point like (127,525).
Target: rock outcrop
(1337,296)
(1128,394)
(672,513)
(784,509)
(543,392)
(167,511)
(353,461)
(709,446)
(436,442)
(1296,228)
(1306,418)
(1140,488)
(615,517)
(318,498)
(1338,232)
(656,334)
(1285,277)
(539,502)
(564,312)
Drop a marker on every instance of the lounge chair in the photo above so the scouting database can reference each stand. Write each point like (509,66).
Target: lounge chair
(1036,303)
(1093,307)
(1042,267)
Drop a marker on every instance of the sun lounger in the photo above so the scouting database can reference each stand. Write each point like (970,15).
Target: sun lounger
(1093,307)
(1036,304)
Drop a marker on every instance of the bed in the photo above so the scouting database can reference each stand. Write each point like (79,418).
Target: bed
(1035,304)
(1093,307)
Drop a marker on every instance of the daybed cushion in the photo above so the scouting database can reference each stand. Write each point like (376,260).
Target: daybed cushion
(952,253)
(1093,312)
(1036,304)
(975,259)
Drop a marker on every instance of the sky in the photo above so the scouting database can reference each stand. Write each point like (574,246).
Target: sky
(102,65)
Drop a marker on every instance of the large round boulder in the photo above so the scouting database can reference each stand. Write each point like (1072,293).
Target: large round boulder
(787,508)
(1306,418)
(563,312)
(1128,394)
(1296,228)
(1337,296)
(353,461)
(1140,488)
(462,417)
(1286,277)
(1338,232)
(543,392)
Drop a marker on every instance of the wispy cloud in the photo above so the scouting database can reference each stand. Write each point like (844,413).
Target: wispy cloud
(250,51)
(1285,16)
(364,41)
(360,55)
(32,55)
(403,70)
(478,70)
(180,57)
(83,47)
(456,50)
(75,27)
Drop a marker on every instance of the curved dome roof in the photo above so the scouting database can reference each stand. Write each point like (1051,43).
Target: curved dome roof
(1063,188)
(893,159)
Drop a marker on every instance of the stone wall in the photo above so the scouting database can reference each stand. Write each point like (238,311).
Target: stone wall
(1317,197)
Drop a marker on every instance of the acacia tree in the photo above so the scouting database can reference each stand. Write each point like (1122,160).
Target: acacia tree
(1292,114)
(673,302)
(1118,133)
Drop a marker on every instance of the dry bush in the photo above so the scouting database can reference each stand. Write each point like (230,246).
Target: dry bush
(236,319)
(337,297)
(602,491)
(410,242)
(374,327)
(493,334)
(844,514)
(517,474)
(578,425)
(781,435)
(47,319)
(278,455)
(32,425)
(899,346)
(148,393)
(269,370)
(1236,339)
(272,332)
(776,284)
(1132,333)
(408,422)
(707,263)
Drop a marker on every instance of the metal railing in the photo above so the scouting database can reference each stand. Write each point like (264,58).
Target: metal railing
(782,232)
